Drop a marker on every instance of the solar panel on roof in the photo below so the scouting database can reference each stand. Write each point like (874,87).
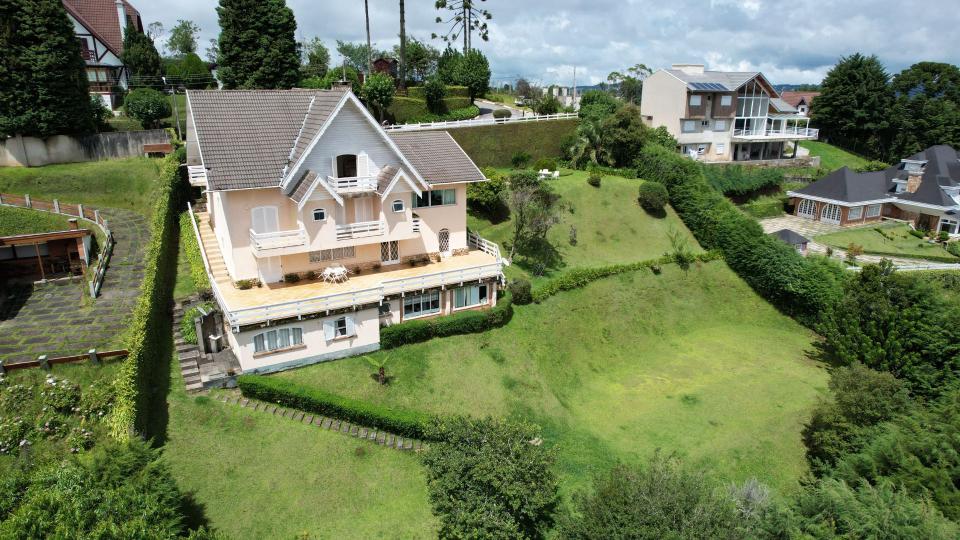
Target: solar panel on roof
(714,87)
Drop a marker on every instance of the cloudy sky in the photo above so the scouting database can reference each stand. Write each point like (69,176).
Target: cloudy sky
(542,40)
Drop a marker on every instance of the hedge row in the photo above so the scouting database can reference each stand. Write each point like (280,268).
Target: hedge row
(140,393)
(466,113)
(799,286)
(581,277)
(306,398)
(188,241)
(465,322)
(405,110)
(740,180)
(452,91)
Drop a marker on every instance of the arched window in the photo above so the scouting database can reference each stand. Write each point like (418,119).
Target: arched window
(806,208)
(346,166)
(397,205)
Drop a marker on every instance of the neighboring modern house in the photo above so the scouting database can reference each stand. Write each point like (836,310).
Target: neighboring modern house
(793,238)
(723,116)
(802,101)
(566,95)
(304,184)
(923,189)
(100,26)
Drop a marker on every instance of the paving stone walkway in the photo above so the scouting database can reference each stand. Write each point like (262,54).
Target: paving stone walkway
(378,437)
(60,318)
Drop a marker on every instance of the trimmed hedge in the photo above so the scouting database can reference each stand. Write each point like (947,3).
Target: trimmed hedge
(581,277)
(458,114)
(740,180)
(799,286)
(188,241)
(140,387)
(465,322)
(410,110)
(452,91)
(310,399)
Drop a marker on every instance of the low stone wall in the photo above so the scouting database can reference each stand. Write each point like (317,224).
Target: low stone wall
(34,152)
(803,161)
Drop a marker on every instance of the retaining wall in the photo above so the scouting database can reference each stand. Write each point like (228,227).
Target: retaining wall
(34,152)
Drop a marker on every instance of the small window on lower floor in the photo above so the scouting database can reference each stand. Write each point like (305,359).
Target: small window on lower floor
(397,205)
(419,305)
(855,212)
(281,338)
(873,210)
(319,214)
(721,148)
(474,295)
(340,327)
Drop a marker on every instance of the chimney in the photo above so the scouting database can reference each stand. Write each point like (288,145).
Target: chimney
(914,170)
(341,85)
(122,17)
(73,224)
(690,69)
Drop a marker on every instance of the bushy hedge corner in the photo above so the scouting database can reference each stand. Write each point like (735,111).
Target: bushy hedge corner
(467,322)
(188,240)
(306,398)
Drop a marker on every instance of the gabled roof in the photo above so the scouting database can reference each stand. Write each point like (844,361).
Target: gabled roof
(101,19)
(302,186)
(795,98)
(847,185)
(247,137)
(437,157)
(790,237)
(729,80)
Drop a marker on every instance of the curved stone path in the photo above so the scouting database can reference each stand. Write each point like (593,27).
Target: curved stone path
(60,318)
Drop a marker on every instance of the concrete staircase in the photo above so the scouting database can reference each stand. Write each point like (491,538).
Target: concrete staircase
(187,353)
(217,265)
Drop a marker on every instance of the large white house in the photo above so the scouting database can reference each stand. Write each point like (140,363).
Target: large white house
(340,227)
(723,115)
(100,26)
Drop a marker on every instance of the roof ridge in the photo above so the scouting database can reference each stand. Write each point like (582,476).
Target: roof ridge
(293,148)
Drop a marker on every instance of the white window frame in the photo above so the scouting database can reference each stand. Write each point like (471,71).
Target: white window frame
(696,100)
(689,126)
(726,101)
(720,125)
(419,300)
(428,198)
(270,217)
(721,147)
(702,149)
(874,210)
(466,294)
(954,225)
(322,212)
(393,206)
(271,340)
(807,208)
(343,327)
(831,213)
(854,213)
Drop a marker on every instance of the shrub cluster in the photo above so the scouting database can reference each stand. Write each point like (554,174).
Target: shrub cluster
(594,179)
(188,240)
(139,406)
(653,196)
(306,398)
(802,287)
(740,180)
(463,113)
(466,322)
(502,113)
(188,328)
(520,290)
(147,105)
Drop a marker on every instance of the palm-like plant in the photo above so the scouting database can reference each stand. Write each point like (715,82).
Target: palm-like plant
(380,364)
(589,146)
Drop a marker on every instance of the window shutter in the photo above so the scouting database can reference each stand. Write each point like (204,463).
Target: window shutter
(351,329)
(363,164)
(328,330)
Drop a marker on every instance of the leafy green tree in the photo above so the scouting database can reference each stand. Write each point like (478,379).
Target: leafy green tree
(473,71)
(630,84)
(897,323)
(490,479)
(141,57)
(183,37)
(422,59)
(356,54)
(653,197)
(589,146)
(926,109)
(257,44)
(43,82)
(862,398)
(448,65)
(535,209)
(855,104)
(487,198)
(378,93)
(434,91)
(189,71)
(316,58)
(147,105)
(597,104)
(624,134)
(546,105)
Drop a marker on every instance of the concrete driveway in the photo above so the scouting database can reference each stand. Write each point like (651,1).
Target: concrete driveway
(806,227)
(487,108)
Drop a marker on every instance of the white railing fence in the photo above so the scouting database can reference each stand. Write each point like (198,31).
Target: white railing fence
(438,279)
(484,245)
(781,132)
(198,175)
(360,229)
(481,122)
(353,183)
(278,239)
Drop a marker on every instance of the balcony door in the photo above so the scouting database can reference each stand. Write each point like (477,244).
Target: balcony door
(264,219)
(363,209)
(389,252)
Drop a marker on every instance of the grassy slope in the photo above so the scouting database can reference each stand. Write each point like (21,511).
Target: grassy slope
(119,183)
(611,226)
(832,157)
(904,244)
(493,146)
(23,221)
(258,476)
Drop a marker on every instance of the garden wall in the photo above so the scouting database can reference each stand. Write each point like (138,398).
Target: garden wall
(494,145)
(34,152)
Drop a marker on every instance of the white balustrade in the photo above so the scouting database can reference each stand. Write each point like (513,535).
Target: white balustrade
(361,229)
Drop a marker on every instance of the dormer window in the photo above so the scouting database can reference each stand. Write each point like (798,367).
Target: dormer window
(913,167)
(346,166)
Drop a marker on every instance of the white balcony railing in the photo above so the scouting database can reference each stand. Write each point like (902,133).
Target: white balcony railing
(353,184)
(198,175)
(362,229)
(263,243)
(799,132)
(483,244)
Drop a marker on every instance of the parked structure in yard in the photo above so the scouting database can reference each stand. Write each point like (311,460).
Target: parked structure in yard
(720,116)
(344,226)
(802,101)
(923,189)
(793,238)
(100,26)
(46,255)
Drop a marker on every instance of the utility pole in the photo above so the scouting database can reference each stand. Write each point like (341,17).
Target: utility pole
(403,47)
(366,10)
(574,102)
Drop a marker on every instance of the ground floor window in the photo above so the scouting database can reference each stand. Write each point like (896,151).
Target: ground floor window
(855,212)
(830,214)
(473,295)
(280,338)
(806,208)
(421,304)
(873,210)
(340,327)
(948,226)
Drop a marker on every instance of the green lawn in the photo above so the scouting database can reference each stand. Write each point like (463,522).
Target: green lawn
(611,226)
(118,183)
(694,363)
(897,242)
(260,476)
(832,157)
(24,221)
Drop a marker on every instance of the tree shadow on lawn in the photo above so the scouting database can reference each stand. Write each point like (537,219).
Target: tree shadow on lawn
(538,257)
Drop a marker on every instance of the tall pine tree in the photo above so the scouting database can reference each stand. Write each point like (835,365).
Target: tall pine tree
(43,81)
(141,58)
(927,107)
(257,44)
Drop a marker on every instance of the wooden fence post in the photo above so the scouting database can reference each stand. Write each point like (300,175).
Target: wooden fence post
(26,198)
(56,206)
(79,210)
(96,216)
(3,369)
(43,362)
(94,359)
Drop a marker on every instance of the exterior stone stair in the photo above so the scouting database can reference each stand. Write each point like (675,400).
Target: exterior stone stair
(187,353)
(217,265)
(378,437)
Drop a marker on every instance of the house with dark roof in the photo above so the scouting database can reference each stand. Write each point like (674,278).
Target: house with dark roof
(100,26)
(923,189)
(792,238)
(722,116)
(802,101)
(321,227)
